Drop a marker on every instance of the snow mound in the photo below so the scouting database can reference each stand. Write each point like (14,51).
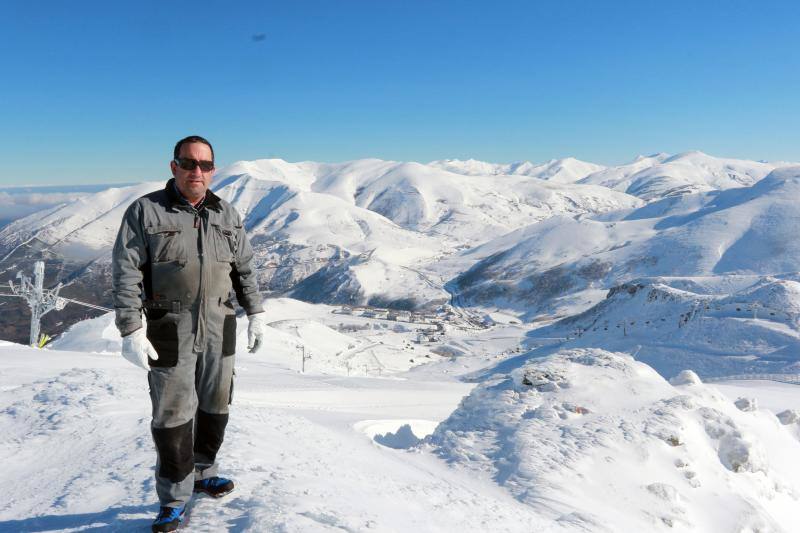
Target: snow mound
(599,441)
(685,377)
(746,404)
(94,335)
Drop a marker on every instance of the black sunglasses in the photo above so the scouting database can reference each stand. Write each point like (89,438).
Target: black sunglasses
(187,163)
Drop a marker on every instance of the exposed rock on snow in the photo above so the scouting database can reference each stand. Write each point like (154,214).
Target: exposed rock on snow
(746,404)
(789,416)
(543,380)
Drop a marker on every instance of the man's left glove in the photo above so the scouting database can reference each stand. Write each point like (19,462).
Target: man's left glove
(136,348)
(255,331)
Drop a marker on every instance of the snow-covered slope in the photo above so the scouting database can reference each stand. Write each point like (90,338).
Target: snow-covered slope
(77,426)
(407,235)
(596,441)
(80,230)
(676,323)
(465,208)
(357,232)
(660,176)
(582,441)
(364,231)
(567,170)
(748,230)
(333,343)
(320,246)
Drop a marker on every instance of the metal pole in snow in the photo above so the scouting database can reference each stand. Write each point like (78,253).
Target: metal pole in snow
(40,301)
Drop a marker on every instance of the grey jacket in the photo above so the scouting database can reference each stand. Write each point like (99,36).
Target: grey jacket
(174,258)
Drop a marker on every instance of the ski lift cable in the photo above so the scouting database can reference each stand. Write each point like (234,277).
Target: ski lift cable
(70,300)
(98,307)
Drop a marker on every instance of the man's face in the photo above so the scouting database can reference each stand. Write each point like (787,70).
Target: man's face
(193,184)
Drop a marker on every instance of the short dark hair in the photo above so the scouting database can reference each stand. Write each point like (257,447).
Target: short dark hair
(192,139)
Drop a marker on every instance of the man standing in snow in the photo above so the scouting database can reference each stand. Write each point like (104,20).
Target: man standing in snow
(178,254)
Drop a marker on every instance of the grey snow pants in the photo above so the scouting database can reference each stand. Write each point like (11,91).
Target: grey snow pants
(190,392)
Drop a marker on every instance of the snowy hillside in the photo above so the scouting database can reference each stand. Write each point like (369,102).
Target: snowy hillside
(598,442)
(677,323)
(357,232)
(422,198)
(660,175)
(79,230)
(559,263)
(568,170)
(333,343)
(583,441)
(298,233)
(464,238)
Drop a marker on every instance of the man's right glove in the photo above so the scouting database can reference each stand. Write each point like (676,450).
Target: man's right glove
(255,331)
(136,348)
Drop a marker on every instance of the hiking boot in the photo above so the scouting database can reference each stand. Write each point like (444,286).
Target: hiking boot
(216,487)
(169,519)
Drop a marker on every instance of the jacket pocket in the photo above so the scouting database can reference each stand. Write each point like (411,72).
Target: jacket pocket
(229,335)
(163,335)
(224,242)
(165,244)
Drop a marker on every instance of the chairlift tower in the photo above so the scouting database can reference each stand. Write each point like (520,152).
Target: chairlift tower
(40,300)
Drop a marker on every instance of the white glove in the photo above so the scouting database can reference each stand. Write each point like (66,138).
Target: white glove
(136,348)
(255,331)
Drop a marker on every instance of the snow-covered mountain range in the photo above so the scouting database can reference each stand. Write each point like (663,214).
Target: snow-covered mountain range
(744,230)
(539,241)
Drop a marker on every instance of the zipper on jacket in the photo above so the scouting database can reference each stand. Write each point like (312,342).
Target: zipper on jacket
(200,336)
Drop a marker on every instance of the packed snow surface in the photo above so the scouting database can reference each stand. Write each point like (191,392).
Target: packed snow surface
(599,442)
(581,440)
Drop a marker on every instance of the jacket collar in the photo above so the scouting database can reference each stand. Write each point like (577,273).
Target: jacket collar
(211,201)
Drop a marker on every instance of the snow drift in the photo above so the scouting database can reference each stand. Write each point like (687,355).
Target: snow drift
(599,442)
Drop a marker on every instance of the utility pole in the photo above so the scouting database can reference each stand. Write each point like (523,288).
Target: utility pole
(303,350)
(40,300)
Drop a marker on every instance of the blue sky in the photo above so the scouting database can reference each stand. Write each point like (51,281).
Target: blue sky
(98,92)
